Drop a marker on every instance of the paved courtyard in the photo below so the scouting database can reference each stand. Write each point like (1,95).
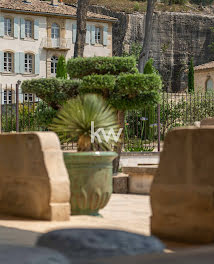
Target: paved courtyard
(126,212)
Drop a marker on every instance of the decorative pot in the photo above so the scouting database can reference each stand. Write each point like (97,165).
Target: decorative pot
(90,180)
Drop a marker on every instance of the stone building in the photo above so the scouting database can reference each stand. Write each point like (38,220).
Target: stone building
(204,77)
(34,33)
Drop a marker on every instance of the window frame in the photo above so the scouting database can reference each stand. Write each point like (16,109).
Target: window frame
(29,65)
(29,31)
(98,40)
(8,96)
(54,64)
(6,27)
(8,62)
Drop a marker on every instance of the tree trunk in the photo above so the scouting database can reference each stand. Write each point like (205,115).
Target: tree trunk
(82,10)
(118,148)
(144,55)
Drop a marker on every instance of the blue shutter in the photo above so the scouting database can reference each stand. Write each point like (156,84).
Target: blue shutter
(21,62)
(105,36)
(92,35)
(16,27)
(1,26)
(1,61)
(22,28)
(88,35)
(21,96)
(74,32)
(37,64)
(16,63)
(36,29)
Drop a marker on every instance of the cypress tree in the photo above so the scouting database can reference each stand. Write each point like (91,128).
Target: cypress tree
(61,70)
(149,67)
(191,77)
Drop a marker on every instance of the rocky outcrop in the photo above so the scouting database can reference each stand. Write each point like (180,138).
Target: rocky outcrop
(176,38)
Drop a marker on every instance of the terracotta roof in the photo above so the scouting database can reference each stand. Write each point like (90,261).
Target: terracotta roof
(45,7)
(205,66)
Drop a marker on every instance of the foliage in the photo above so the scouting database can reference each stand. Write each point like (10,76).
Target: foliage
(26,118)
(191,77)
(61,70)
(135,91)
(44,115)
(32,117)
(80,67)
(202,2)
(134,51)
(52,91)
(100,84)
(75,118)
(149,68)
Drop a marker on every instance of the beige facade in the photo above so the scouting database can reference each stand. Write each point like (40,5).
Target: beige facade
(50,34)
(204,77)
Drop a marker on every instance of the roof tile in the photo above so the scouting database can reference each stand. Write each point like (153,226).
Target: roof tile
(47,7)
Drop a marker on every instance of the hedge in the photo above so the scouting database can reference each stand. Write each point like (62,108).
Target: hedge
(100,84)
(80,67)
(52,91)
(135,91)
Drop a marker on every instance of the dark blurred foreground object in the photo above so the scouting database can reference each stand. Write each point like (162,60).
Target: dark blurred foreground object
(89,244)
(202,255)
(29,255)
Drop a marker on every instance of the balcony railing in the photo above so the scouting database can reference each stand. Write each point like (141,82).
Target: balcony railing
(61,43)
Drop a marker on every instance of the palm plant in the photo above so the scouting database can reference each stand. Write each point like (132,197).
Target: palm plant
(74,121)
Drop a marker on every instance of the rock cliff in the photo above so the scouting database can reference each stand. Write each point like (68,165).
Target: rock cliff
(176,38)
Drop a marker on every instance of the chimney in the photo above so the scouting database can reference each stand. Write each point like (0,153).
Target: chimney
(54,2)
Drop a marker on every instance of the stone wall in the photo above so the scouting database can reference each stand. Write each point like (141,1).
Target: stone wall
(176,38)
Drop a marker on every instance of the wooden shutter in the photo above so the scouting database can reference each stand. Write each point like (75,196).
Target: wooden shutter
(36,29)
(16,27)
(74,33)
(37,64)
(22,28)
(16,62)
(92,35)
(1,26)
(105,36)
(21,62)
(1,61)
(88,35)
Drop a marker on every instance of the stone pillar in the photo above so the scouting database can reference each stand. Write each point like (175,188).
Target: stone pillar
(182,194)
(33,180)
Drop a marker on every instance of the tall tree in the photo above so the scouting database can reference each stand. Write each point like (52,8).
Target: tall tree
(191,77)
(82,10)
(144,55)
(61,70)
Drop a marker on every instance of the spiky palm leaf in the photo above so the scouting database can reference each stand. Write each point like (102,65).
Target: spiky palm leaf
(75,117)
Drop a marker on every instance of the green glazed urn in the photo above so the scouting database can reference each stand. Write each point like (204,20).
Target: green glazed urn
(90,176)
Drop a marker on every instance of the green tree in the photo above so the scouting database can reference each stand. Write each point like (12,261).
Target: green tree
(149,68)
(119,82)
(61,71)
(191,77)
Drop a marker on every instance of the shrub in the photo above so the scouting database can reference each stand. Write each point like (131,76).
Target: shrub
(191,77)
(100,84)
(74,120)
(61,70)
(80,67)
(135,91)
(52,91)
(149,68)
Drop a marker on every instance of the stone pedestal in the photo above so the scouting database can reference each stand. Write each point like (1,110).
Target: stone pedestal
(140,178)
(120,183)
(33,180)
(182,197)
